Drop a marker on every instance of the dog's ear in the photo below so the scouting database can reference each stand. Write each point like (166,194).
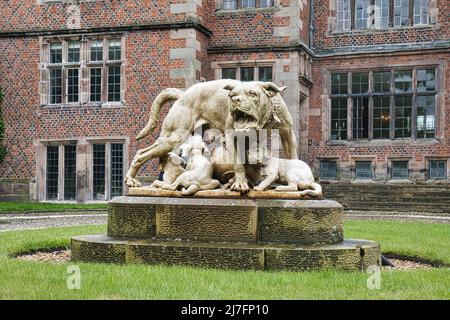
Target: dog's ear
(229,87)
(270,89)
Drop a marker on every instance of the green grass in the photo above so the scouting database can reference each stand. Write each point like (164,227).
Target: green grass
(34,280)
(6,207)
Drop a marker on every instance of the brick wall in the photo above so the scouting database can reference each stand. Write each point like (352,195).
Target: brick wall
(382,150)
(327,37)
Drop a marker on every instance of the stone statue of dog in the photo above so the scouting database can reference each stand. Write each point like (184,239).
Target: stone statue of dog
(199,170)
(222,104)
(293,173)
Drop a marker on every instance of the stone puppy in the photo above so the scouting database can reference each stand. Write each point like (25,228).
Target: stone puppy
(173,167)
(199,170)
(294,173)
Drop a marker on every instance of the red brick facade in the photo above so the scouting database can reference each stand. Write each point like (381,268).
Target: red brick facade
(186,41)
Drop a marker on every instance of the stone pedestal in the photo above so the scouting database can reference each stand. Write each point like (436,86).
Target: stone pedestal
(227,233)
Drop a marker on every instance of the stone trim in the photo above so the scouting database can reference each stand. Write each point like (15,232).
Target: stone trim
(188,53)
(128,28)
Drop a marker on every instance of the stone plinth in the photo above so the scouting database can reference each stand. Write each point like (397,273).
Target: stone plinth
(247,220)
(249,233)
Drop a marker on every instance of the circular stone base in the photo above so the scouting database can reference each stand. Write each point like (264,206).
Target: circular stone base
(348,255)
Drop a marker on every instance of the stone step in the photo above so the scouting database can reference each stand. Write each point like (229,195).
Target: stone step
(347,255)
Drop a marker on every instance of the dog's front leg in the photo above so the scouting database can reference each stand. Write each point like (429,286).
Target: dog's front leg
(240,181)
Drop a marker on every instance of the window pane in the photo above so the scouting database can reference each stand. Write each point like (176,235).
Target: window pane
(52,172)
(98,172)
(73,52)
(425,117)
(360,118)
(96,84)
(70,172)
(247,74)
(426,80)
(403,81)
(360,83)
(56,53)
(97,51)
(400,170)
(382,81)
(114,83)
(72,85)
(343,15)
(339,83)
(115,50)
(55,86)
(328,169)
(265,3)
(438,169)
(229,4)
(363,169)
(116,170)
(338,119)
(420,11)
(403,114)
(362,10)
(248,3)
(265,73)
(381,117)
(401,13)
(381,14)
(229,73)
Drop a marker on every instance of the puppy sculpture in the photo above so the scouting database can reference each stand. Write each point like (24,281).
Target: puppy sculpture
(173,167)
(294,173)
(199,170)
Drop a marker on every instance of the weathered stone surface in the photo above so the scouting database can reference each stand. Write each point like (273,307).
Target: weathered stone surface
(345,256)
(223,221)
(220,193)
(300,221)
(348,255)
(248,220)
(131,220)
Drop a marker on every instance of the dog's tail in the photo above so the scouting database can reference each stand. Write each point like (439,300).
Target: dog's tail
(167,95)
(315,192)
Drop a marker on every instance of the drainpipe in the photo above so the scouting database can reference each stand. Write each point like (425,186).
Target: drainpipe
(311,23)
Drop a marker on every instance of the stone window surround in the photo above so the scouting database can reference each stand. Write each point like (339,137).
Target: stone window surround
(445,158)
(338,167)
(220,11)
(84,164)
(332,27)
(326,120)
(391,159)
(84,66)
(217,67)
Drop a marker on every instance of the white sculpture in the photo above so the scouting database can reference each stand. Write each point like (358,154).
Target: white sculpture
(199,170)
(295,173)
(223,104)
(173,167)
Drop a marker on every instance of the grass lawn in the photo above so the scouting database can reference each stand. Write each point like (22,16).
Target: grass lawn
(34,280)
(7,207)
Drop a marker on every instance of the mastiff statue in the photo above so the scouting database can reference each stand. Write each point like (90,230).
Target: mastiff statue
(222,105)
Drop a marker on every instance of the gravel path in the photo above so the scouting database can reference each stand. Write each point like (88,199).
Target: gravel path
(41,220)
(395,216)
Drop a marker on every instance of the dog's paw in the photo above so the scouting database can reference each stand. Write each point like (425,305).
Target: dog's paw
(131,182)
(258,188)
(240,185)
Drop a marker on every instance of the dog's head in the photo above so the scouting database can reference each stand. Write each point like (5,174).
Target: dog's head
(249,103)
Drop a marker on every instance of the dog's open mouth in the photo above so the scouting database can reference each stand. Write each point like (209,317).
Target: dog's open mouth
(244,120)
